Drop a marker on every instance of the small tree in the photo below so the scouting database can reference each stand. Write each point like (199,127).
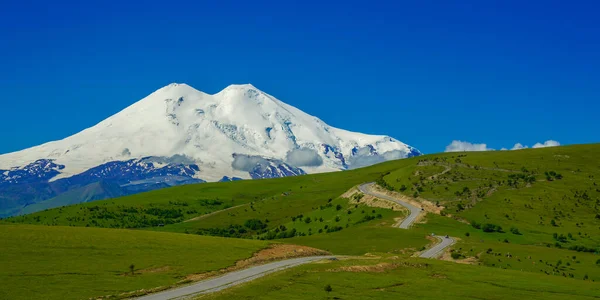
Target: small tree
(131,268)
(328,288)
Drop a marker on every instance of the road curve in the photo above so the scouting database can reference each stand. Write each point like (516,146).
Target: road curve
(238,277)
(414,211)
(436,250)
(230,279)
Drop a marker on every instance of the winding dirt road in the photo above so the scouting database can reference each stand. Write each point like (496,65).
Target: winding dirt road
(365,188)
(239,277)
(414,212)
(230,279)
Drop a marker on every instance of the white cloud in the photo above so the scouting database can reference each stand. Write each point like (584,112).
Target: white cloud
(518,146)
(304,157)
(460,146)
(247,163)
(548,143)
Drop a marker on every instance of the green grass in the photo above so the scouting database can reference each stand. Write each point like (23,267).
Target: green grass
(573,202)
(540,210)
(523,255)
(78,263)
(276,200)
(411,279)
(505,188)
(376,237)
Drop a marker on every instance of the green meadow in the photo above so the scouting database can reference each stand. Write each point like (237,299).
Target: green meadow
(44,262)
(408,279)
(532,215)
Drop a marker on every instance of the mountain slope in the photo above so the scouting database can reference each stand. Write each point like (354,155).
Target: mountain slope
(239,132)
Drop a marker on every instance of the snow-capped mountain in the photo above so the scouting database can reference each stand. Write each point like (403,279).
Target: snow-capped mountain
(181,135)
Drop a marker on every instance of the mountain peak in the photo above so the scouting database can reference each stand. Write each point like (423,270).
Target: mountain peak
(208,128)
(175,85)
(239,88)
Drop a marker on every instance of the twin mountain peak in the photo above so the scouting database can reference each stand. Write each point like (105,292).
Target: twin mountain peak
(180,135)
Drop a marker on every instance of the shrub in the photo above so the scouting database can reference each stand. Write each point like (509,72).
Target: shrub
(334,229)
(366,218)
(476,225)
(455,255)
(515,230)
(582,249)
(491,228)
(467,234)
(381,182)
(328,288)
(307,220)
(255,224)
(338,207)
(559,237)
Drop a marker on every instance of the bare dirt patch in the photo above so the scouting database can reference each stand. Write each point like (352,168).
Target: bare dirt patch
(372,201)
(381,203)
(378,268)
(148,270)
(438,275)
(427,205)
(383,289)
(155,270)
(471,260)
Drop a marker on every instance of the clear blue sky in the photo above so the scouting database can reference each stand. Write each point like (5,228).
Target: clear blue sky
(425,72)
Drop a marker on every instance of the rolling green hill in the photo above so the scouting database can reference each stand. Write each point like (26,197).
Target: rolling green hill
(531,213)
(42,262)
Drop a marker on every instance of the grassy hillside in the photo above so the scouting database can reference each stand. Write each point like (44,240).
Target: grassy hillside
(408,279)
(534,211)
(275,200)
(79,263)
(538,192)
